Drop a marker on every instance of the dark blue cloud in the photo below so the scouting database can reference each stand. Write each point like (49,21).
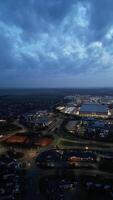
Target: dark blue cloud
(55,38)
(101,16)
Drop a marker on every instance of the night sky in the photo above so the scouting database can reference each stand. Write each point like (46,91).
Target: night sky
(56,43)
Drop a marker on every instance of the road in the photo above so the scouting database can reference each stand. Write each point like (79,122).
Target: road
(66,136)
(22,130)
(82,145)
(53,126)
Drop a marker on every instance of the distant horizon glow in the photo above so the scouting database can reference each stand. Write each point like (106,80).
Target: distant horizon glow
(56,43)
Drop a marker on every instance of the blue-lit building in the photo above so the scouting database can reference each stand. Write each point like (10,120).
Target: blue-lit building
(95,110)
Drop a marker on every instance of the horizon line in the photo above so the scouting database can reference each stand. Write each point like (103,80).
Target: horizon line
(92,87)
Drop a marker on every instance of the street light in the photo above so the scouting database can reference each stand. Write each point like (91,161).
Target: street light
(86,148)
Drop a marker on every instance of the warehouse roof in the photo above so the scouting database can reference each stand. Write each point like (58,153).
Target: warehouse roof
(94,108)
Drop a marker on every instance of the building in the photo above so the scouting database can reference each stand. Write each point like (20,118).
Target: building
(94,110)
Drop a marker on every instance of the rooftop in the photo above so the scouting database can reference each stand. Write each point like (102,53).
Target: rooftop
(94,108)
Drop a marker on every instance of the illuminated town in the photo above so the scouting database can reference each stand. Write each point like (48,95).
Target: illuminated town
(66,146)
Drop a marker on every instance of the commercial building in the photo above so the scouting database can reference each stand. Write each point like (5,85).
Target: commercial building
(94,110)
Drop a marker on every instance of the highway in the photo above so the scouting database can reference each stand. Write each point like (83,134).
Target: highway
(82,145)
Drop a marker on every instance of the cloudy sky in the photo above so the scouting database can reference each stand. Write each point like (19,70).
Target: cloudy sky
(56,43)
